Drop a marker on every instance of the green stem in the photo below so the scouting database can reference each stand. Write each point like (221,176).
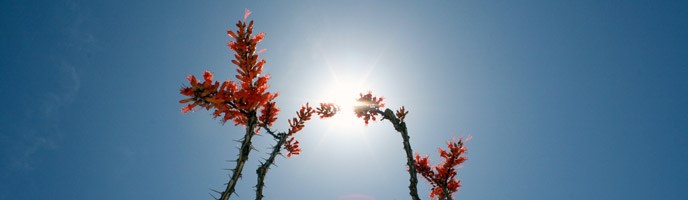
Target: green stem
(400,127)
(263,169)
(244,150)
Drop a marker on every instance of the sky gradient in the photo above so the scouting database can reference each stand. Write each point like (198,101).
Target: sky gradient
(564,100)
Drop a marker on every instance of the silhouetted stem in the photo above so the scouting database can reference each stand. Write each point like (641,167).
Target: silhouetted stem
(445,191)
(244,150)
(281,138)
(400,126)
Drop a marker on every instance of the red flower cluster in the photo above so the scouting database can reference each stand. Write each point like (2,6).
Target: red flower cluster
(297,123)
(327,110)
(232,100)
(442,176)
(268,115)
(369,108)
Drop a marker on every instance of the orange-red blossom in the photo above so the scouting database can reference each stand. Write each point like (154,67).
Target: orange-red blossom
(369,108)
(297,123)
(443,175)
(239,100)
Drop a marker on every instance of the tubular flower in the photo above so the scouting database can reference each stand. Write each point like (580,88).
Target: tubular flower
(269,113)
(401,113)
(369,107)
(292,147)
(200,94)
(442,177)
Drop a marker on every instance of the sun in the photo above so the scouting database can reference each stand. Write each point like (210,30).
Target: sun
(344,129)
(344,95)
(350,73)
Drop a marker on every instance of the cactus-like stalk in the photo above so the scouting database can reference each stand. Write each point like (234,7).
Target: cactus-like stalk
(244,151)
(281,138)
(400,126)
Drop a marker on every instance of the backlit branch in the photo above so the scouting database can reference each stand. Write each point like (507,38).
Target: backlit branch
(442,179)
(369,109)
(287,140)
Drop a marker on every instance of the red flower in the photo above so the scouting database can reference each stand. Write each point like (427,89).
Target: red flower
(369,107)
(269,113)
(443,176)
(246,14)
(207,76)
(401,113)
(259,37)
(292,147)
(327,110)
(188,108)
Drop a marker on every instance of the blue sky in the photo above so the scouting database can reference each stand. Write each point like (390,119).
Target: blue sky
(565,100)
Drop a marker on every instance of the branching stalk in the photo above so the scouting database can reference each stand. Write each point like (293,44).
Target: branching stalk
(281,138)
(400,126)
(244,151)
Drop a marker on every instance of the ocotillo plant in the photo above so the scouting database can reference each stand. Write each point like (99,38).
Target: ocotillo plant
(369,108)
(246,102)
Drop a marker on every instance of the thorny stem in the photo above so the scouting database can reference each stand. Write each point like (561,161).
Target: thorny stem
(245,149)
(445,191)
(400,126)
(281,138)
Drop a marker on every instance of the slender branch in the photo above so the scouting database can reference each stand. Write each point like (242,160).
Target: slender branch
(400,126)
(263,169)
(245,149)
(271,132)
(237,108)
(445,191)
(446,195)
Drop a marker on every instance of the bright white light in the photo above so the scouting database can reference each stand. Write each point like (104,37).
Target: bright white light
(344,94)
(344,130)
(350,71)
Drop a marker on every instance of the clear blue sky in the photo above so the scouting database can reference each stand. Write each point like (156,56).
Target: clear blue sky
(564,99)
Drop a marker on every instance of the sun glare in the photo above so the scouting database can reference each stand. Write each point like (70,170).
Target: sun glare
(350,71)
(345,95)
(344,128)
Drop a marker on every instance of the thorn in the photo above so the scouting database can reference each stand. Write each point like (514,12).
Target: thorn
(236,194)
(216,191)
(213,196)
